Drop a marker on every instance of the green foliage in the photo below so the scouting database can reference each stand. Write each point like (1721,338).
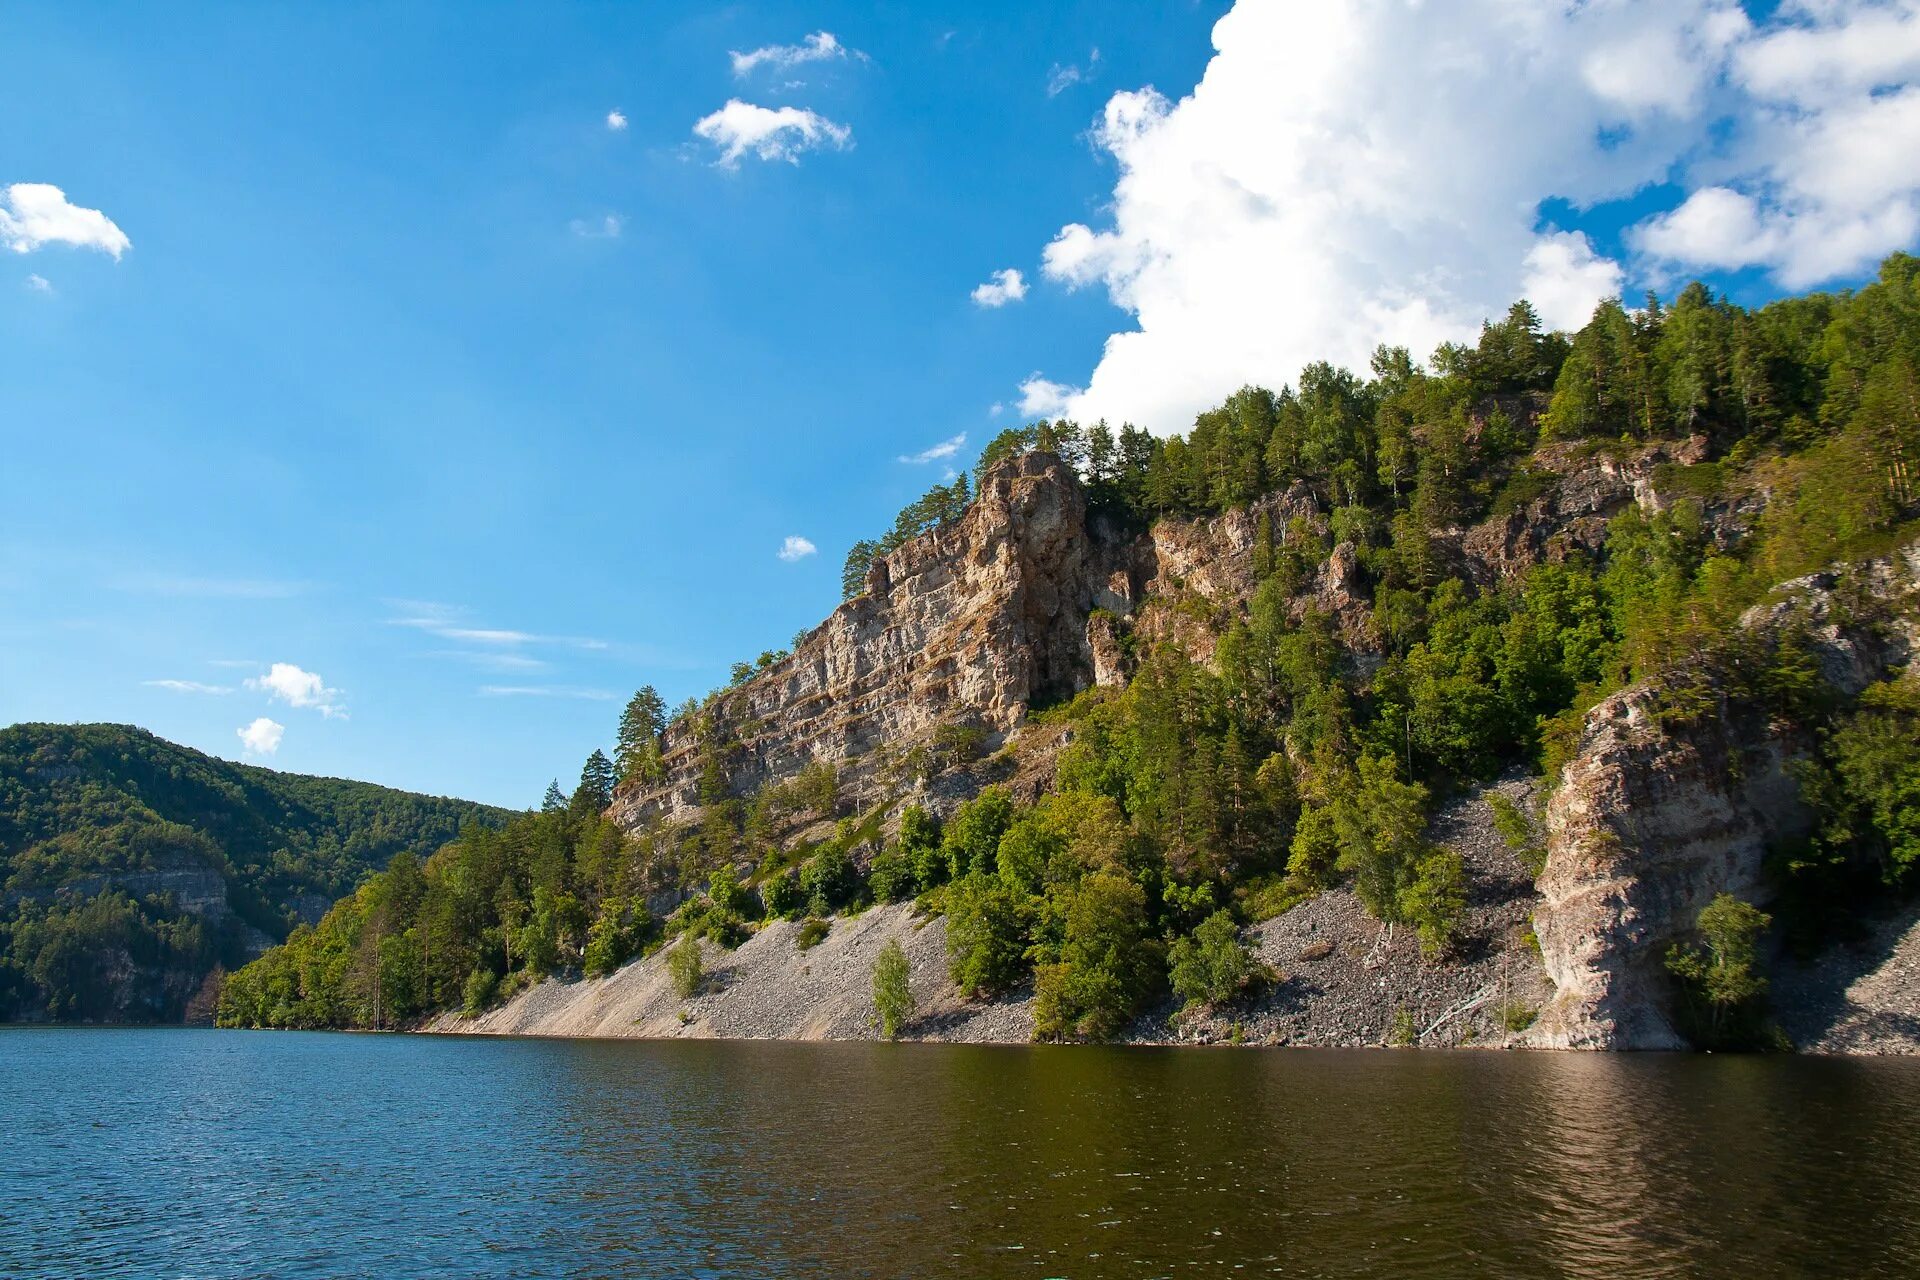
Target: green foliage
(106,812)
(783,896)
(1211,966)
(685,966)
(1104,968)
(1720,991)
(813,931)
(1434,901)
(1520,830)
(987,923)
(636,755)
(1402,1032)
(971,839)
(939,506)
(892,989)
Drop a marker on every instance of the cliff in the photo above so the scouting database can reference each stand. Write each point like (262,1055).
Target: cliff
(1658,813)
(1028,599)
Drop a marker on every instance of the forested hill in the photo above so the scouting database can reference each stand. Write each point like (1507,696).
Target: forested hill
(130,867)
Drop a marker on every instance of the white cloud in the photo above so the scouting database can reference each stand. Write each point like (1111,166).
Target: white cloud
(1063,76)
(448,622)
(606,228)
(1040,398)
(37,283)
(617,120)
(1565,279)
(1000,289)
(188,686)
(262,737)
(794,547)
(544,691)
(784,133)
(34,214)
(933,453)
(287,683)
(1351,174)
(995,409)
(821,46)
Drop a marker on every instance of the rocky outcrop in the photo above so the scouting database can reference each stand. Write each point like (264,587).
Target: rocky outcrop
(971,624)
(1656,814)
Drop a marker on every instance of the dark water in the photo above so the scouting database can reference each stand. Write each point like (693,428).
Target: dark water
(200,1153)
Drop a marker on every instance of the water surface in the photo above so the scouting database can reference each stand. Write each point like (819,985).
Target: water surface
(204,1153)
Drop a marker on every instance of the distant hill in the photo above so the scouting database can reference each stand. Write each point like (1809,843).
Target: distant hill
(131,867)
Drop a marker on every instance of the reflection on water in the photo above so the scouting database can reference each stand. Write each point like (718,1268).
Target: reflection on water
(235,1154)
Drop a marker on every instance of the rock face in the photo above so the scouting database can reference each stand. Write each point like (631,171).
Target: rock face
(1652,819)
(967,625)
(1026,599)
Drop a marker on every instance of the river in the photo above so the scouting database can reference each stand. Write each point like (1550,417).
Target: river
(217,1154)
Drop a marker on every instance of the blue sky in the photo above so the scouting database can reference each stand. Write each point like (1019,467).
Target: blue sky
(422,380)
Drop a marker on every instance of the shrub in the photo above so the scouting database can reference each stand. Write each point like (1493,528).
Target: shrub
(829,879)
(1213,965)
(891,876)
(986,935)
(1401,1032)
(972,838)
(1106,963)
(812,933)
(1435,901)
(892,988)
(1517,1015)
(1720,991)
(478,992)
(684,964)
(727,893)
(1521,832)
(817,788)
(783,896)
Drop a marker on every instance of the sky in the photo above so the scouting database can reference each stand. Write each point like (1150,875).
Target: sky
(389,391)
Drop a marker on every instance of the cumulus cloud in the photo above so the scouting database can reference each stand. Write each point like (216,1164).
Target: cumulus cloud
(821,46)
(37,283)
(1001,288)
(785,133)
(617,121)
(933,453)
(794,547)
(188,686)
(35,214)
(1373,172)
(1040,398)
(287,683)
(262,737)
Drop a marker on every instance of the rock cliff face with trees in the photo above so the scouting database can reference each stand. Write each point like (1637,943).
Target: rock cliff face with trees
(1205,734)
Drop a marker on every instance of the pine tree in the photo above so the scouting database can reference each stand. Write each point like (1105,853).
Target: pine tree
(555,799)
(636,754)
(595,792)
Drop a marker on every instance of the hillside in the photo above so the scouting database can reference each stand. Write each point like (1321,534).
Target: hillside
(131,867)
(1135,717)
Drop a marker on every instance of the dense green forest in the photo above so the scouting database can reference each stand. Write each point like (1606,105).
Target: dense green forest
(96,820)
(1204,795)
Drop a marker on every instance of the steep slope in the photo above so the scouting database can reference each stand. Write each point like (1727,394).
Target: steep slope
(130,867)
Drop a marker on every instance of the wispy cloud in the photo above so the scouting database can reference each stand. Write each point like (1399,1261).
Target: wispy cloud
(188,686)
(546,691)
(605,228)
(1063,76)
(617,121)
(284,682)
(1000,289)
(492,659)
(162,584)
(821,46)
(945,449)
(794,547)
(37,283)
(449,622)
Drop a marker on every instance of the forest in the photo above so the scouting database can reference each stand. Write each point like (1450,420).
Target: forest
(85,809)
(1205,796)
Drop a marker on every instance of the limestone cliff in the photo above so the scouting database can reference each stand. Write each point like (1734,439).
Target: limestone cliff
(1656,815)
